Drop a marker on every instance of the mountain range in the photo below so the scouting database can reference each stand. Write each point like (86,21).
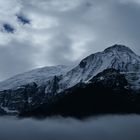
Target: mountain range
(104,82)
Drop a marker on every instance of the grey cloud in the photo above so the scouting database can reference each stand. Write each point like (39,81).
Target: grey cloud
(17,58)
(64,32)
(60,48)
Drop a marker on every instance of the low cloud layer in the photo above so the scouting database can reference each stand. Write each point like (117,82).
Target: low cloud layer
(97,128)
(51,32)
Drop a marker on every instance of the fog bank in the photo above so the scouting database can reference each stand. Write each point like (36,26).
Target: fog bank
(97,128)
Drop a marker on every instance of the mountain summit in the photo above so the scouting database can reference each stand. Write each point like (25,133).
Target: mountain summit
(118,48)
(118,57)
(32,89)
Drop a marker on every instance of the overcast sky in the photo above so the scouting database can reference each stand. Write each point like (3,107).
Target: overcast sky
(36,33)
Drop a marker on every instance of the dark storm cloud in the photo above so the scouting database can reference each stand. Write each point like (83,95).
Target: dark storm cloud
(96,128)
(61,32)
(22,19)
(8,28)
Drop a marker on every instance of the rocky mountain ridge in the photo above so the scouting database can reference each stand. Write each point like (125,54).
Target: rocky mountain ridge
(38,87)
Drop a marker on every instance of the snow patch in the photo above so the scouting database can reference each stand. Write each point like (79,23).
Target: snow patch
(9,111)
(101,78)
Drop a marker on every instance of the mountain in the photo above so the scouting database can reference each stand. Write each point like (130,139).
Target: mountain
(43,87)
(118,57)
(105,93)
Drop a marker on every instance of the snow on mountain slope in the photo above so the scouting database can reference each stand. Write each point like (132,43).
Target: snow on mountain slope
(118,57)
(31,89)
(40,76)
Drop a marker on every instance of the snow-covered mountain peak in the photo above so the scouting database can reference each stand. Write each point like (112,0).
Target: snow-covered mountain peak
(120,53)
(118,48)
(118,57)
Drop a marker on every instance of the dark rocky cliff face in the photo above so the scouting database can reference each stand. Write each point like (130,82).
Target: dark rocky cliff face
(21,99)
(26,98)
(110,79)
